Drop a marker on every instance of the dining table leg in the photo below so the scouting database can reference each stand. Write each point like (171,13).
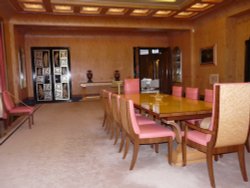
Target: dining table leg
(193,155)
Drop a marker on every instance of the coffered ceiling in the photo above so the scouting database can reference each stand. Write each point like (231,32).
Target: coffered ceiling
(179,9)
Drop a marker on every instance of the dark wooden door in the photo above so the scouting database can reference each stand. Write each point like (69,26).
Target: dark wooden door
(165,71)
(247,62)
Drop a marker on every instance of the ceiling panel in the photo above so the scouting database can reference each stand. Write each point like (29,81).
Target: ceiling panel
(179,9)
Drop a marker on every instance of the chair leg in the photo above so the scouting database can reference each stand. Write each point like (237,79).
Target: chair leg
(156,148)
(170,150)
(184,148)
(107,125)
(210,168)
(32,117)
(112,130)
(122,141)
(30,121)
(135,154)
(104,120)
(216,158)
(126,147)
(241,156)
(117,133)
(248,142)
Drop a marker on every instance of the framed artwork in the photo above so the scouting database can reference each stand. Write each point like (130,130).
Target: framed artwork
(208,55)
(51,70)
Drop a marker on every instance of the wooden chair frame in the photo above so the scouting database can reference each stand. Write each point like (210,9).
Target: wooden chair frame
(210,149)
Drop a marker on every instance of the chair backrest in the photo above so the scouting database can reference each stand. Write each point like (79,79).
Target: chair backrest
(177,91)
(192,93)
(104,98)
(208,95)
(7,101)
(123,113)
(231,114)
(131,86)
(107,102)
(133,125)
(116,107)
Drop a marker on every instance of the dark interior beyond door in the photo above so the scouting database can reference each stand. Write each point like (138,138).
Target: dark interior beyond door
(153,67)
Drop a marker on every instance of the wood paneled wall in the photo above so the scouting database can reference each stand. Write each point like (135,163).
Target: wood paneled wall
(228,29)
(101,53)
(104,52)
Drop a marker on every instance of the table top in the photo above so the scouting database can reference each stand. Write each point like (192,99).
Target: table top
(170,107)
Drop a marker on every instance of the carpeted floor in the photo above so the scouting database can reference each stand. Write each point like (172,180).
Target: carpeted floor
(68,148)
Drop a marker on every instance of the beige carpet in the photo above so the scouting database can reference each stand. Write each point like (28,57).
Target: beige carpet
(68,148)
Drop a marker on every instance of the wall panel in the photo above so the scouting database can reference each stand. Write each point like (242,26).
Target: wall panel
(102,53)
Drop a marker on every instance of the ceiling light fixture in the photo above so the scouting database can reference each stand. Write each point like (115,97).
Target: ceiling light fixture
(163,13)
(116,11)
(62,8)
(90,10)
(33,7)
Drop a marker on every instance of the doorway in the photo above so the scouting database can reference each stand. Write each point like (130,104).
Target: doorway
(153,67)
(247,62)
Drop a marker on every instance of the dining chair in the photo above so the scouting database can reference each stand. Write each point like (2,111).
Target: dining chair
(108,116)
(12,110)
(116,114)
(146,134)
(104,99)
(192,93)
(229,127)
(177,91)
(141,120)
(208,98)
(131,86)
(208,95)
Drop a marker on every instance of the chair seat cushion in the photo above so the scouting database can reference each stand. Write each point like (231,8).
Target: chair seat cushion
(154,131)
(203,123)
(193,121)
(22,109)
(142,120)
(198,137)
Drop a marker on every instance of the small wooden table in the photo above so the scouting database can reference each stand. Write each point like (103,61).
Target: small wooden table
(94,88)
(169,108)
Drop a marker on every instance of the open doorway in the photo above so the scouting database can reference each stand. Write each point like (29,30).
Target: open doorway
(153,67)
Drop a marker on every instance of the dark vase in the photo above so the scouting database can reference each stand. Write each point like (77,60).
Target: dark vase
(89,76)
(117,75)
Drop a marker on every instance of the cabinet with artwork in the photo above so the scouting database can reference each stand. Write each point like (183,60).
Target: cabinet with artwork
(51,74)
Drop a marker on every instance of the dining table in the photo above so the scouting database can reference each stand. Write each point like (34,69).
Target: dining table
(172,110)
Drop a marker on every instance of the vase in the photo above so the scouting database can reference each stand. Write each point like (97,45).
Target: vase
(89,76)
(117,75)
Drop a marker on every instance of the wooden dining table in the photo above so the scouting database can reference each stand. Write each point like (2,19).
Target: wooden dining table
(173,110)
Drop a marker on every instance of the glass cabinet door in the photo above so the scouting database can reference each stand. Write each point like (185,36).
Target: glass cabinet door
(177,65)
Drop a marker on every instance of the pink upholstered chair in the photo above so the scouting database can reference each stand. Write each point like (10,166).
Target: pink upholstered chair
(192,93)
(108,115)
(146,134)
(131,86)
(13,110)
(208,98)
(208,95)
(105,107)
(229,126)
(141,120)
(177,91)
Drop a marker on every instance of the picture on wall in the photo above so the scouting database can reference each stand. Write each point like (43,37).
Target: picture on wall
(208,55)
